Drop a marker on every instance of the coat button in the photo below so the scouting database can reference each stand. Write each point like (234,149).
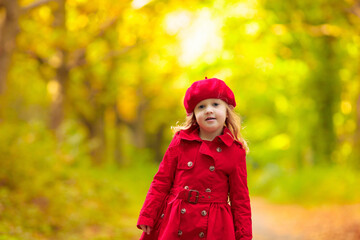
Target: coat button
(190,163)
(212,168)
(202,234)
(218,149)
(183,211)
(162,215)
(179,233)
(203,213)
(186,187)
(208,190)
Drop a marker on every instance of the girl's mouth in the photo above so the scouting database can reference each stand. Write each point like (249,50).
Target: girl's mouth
(210,118)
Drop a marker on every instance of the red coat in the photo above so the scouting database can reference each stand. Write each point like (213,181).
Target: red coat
(188,198)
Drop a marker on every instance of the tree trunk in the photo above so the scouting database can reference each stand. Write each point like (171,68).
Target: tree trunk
(157,142)
(62,71)
(97,138)
(137,127)
(325,90)
(118,151)
(8,32)
(355,158)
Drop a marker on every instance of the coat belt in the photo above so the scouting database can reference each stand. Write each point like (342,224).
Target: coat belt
(194,196)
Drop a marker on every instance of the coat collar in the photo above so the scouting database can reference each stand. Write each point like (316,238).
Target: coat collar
(192,134)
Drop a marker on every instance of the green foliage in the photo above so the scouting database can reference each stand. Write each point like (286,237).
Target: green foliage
(307,186)
(54,192)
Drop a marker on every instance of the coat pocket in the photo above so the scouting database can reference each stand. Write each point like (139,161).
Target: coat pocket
(161,214)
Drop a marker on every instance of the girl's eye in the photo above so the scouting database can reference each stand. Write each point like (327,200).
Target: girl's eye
(201,106)
(215,104)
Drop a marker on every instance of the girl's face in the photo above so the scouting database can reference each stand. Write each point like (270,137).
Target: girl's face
(210,114)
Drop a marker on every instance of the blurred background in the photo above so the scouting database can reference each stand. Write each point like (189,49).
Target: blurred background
(90,89)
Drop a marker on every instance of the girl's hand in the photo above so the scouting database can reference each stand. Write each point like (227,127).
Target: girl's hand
(145,229)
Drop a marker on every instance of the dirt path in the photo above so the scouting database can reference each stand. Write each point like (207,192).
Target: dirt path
(293,222)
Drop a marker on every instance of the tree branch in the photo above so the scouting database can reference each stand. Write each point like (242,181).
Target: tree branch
(114,54)
(120,120)
(355,10)
(35,5)
(79,55)
(105,26)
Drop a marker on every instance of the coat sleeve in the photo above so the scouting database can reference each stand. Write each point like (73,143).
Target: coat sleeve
(239,198)
(160,187)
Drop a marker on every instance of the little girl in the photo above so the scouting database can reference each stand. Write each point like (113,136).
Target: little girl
(200,190)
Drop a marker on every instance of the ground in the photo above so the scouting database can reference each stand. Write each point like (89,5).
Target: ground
(293,222)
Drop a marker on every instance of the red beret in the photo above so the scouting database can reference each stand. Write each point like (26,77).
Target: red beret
(207,88)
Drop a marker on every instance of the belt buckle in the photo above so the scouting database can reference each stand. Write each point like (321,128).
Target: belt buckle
(196,196)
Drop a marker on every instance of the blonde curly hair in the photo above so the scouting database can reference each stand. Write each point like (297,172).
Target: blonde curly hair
(232,122)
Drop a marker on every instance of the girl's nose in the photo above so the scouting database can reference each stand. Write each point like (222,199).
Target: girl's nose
(209,109)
